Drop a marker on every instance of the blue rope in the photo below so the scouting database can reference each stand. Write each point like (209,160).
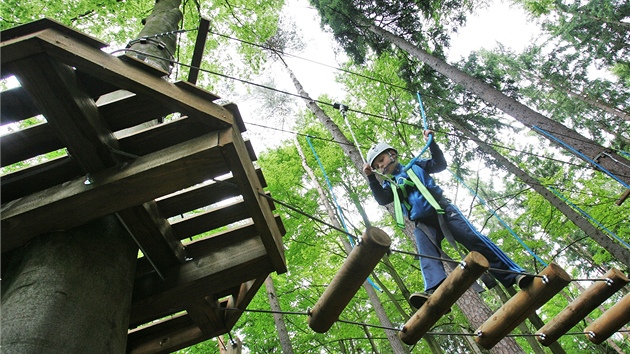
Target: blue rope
(585,214)
(582,156)
(339,211)
(501,220)
(426,127)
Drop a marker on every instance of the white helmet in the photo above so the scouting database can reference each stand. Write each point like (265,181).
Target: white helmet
(377,150)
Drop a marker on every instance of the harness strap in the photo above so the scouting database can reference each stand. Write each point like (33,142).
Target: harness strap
(400,220)
(425,192)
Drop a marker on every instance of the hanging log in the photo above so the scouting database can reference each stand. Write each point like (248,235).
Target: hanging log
(444,297)
(596,294)
(610,322)
(522,305)
(623,197)
(355,270)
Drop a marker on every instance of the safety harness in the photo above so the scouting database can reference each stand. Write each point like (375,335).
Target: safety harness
(415,182)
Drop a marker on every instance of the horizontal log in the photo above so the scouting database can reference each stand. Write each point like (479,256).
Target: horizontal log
(113,189)
(438,304)
(522,305)
(360,263)
(610,322)
(29,142)
(577,310)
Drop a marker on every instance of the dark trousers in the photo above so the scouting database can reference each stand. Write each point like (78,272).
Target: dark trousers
(466,234)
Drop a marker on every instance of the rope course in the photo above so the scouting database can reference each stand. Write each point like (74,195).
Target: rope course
(552,279)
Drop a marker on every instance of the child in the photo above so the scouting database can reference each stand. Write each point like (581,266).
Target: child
(434,216)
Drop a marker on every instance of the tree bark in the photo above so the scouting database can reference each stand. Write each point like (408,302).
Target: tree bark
(156,39)
(585,148)
(70,291)
(281,328)
(622,254)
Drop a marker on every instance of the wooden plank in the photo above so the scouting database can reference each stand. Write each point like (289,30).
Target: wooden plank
(197,197)
(610,322)
(584,304)
(200,44)
(522,305)
(47,23)
(16,105)
(27,143)
(113,70)
(71,113)
(33,179)
(206,315)
(163,135)
(246,293)
(196,90)
(210,271)
(210,220)
(111,190)
(346,283)
(167,336)
(623,197)
(453,287)
(94,87)
(154,236)
(132,111)
(244,173)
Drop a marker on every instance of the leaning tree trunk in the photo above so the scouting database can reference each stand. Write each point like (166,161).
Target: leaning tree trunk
(70,291)
(281,328)
(622,254)
(397,345)
(586,148)
(470,303)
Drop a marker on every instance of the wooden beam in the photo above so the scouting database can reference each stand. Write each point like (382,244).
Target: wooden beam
(245,295)
(16,105)
(131,111)
(34,27)
(154,236)
(522,305)
(438,304)
(209,271)
(200,44)
(577,310)
(166,336)
(70,112)
(245,176)
(141,180)
(199,196)
(206,315)
(623,197)
(29,142)
(32,179)
(360,263)
(123,75)
(610,322)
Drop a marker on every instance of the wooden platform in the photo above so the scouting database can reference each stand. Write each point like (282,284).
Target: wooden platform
(167,183)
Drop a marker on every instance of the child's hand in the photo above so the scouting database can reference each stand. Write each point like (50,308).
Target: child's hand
(427,133)
(367,169)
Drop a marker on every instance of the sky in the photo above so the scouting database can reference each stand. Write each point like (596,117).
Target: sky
(499,23)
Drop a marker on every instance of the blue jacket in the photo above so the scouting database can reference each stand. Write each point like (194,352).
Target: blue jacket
(419,206)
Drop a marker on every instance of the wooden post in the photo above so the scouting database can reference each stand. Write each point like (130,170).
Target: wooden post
(444,297)
(610,321)
(357,267)
(522,305)
(623,197)
(597,293)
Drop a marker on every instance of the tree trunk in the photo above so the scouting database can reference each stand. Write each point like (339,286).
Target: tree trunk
(281,328)
(586,148)
(156,39)
(397,345)
(470,303)
(70,291)
(620,253)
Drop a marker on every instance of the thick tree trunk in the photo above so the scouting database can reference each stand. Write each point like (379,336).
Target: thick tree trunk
(622,254)
(397,345)
(70,291)
(586,148)
(164,19)
(281,328)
